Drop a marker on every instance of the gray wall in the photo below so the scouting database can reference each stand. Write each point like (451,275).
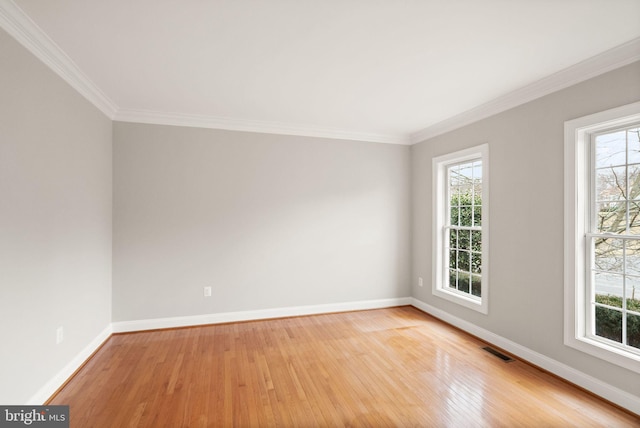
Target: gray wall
(526,197)
(55,222)
(268,221)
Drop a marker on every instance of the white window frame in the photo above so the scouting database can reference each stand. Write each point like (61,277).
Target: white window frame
(577,169)
(441,219)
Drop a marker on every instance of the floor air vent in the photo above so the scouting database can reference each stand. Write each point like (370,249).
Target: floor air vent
(505,358)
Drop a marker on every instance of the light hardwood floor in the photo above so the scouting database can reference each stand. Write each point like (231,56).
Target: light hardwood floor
(388,367)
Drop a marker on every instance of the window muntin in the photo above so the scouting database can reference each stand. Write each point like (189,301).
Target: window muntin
(613,239)
(460,227)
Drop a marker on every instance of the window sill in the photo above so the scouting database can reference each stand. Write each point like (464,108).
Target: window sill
(595,348)
(463,300)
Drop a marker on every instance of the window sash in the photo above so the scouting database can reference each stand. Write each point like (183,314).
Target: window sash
(447,227)
(591,303)
(444,185)
(593,234)
(578,226)
(446,261)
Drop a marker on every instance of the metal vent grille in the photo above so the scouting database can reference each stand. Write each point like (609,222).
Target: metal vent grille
(505,358)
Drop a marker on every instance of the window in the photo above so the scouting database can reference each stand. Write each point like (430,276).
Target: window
(460,197)
(602,235)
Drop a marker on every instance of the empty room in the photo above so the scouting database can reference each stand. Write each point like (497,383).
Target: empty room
(320,213)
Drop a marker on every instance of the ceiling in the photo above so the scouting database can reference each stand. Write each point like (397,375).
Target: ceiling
(386,71)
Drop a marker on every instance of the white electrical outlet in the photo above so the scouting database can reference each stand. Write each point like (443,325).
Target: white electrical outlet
(207,291)
(59,335)
(420,281)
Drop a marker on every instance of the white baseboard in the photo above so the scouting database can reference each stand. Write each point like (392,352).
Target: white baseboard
(151,324)
(596,386)
(59,379)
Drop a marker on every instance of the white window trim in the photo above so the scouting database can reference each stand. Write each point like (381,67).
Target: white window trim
(440,183)
(577,175)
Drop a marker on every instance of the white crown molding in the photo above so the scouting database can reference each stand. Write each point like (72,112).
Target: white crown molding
(18,24)
(608,392)
(202,121)
(610,60)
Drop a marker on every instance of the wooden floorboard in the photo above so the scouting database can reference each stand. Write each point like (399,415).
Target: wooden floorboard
(394,367)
